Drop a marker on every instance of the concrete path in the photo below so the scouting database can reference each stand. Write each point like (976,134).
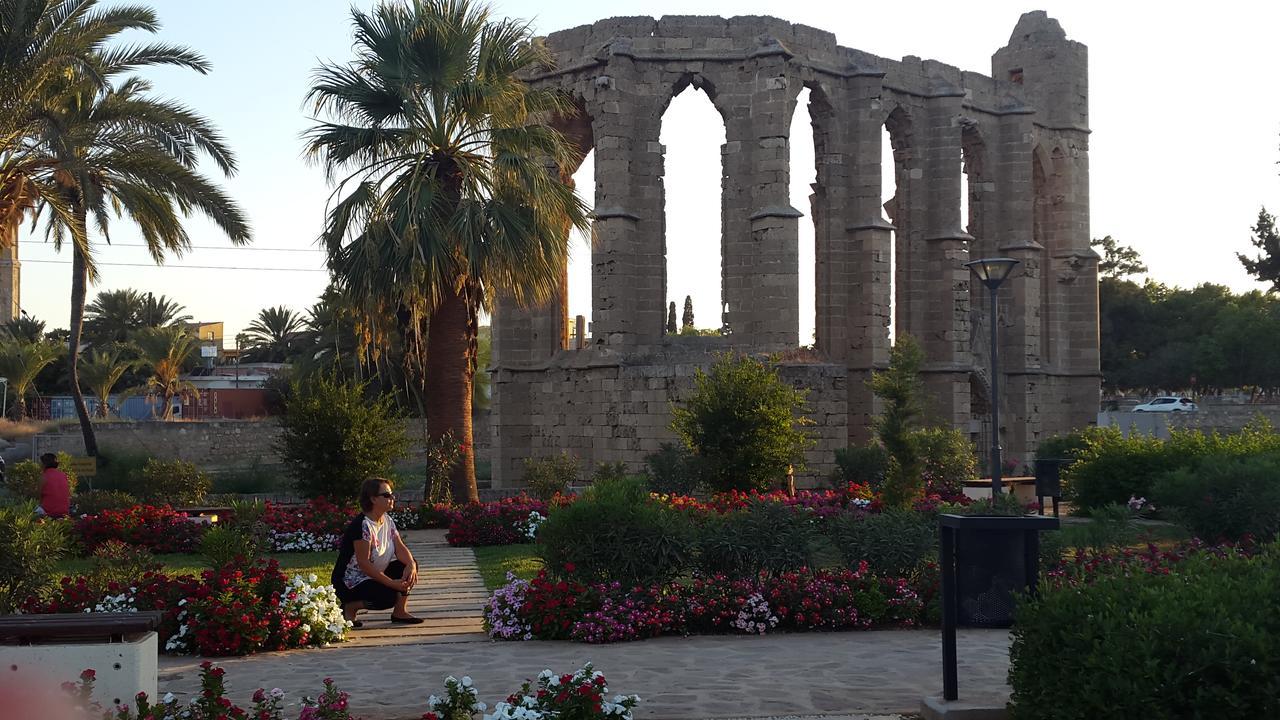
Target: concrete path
(857,674)
(450,595)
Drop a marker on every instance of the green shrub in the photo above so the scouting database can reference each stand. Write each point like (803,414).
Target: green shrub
(95,501)
(22,480)
(899,389)
(894,543)
(606,471)
(947,460)
(172,482)
(547,476)
(32,549)
(615,531)
(1062,447)
(119,562)
(224,545)
(119,470)
(1201,642)
(1112,468)
(864,465)
(1224,497)
(333,437)
(764,536)
(743,424)
(670,471)
(252,479)
(1109,528)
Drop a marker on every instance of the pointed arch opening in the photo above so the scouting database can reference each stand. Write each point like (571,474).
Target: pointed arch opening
(692,135)
(896,168)
(803,141)
(580,246)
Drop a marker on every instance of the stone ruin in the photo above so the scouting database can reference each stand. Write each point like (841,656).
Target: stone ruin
(1020,136)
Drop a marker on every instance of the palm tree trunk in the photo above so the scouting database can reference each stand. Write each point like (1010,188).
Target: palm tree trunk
(450,367)
(79,287)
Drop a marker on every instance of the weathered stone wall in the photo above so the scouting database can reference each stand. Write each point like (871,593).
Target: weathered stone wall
(1209,418)
(214,444)
(601,410)
(1019,135)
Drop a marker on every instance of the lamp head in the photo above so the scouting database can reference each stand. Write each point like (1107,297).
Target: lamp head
(992,271)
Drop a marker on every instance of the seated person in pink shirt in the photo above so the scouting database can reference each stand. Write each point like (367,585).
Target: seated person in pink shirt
(55,489)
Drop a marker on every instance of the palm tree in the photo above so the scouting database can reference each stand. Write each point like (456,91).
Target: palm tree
(447,194)
(112,315)
(24,329)
(102,370)
(274,334)
(21,362)
(116,149)
(166,351)
(161,311)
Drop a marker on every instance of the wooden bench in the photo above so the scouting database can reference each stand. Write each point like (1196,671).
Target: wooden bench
(69,627)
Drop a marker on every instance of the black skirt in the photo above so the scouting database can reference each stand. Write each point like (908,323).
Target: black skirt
(375,595)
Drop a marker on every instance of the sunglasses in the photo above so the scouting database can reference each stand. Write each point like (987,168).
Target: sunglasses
(387,495)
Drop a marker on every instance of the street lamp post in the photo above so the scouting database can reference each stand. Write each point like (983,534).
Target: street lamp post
(4,404)
(993,272)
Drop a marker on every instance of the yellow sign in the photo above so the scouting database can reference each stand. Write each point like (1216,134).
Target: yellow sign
(84,466)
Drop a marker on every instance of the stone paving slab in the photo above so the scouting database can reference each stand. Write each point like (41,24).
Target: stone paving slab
(852,674)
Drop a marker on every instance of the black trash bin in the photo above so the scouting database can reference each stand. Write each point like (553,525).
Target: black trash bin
(986,561)
(1049,481)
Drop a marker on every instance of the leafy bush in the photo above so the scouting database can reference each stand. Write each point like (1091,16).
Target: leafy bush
(743,424)
(119,470)
(333,437)
(505,522)
(95,501)
(172,482)
(31,551)
(670,471)
(1225,497)
(549,476)
(1112,468)
(765,536)
(254,478)
(947,461)
(606,471)
(226,545)
(120,563)
(893,543)
(1062,447)
(23,479)
(1201,641)
(615,531)
(864,465)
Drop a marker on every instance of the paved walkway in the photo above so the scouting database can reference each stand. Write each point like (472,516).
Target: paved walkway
(450,595)
(391,669)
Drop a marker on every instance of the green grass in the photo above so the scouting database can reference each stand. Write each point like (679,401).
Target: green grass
(496,561)
(320,563)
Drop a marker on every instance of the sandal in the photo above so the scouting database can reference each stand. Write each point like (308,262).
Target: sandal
(357,623)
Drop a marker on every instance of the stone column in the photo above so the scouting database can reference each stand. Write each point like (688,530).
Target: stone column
(942,295)
(860,288)
(761,265)
(10,278)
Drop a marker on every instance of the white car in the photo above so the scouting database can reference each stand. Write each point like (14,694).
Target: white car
(1166,404)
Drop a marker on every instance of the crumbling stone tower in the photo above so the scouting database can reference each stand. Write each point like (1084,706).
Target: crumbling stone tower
(1020,136)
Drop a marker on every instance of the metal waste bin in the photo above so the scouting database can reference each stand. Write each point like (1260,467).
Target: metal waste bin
(1049,481)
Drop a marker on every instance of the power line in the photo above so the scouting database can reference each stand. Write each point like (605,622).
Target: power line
(199,247)
(187,267)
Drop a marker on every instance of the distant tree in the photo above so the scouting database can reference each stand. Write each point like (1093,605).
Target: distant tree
(900,389)
(21,362)
(1266,266)
(275,334)
(114,314)
(686,319)
(671,318)
(166,351)
(1118,261)
(102,370)
(24,329)
(162,312)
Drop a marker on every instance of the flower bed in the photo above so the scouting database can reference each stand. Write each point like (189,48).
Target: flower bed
(230,611)
(504,522)
(160,529)
(314,527)
(549,609)
(580,695)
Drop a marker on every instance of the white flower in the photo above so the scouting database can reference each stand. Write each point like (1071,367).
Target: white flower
(466,681)
(168,699)
(276,693)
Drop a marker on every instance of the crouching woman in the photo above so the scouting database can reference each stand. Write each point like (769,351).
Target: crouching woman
(375,570)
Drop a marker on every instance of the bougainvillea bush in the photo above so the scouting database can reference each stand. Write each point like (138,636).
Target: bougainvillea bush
(547,608)
(160,529)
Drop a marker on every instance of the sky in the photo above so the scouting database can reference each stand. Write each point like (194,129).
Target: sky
(1183,108)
